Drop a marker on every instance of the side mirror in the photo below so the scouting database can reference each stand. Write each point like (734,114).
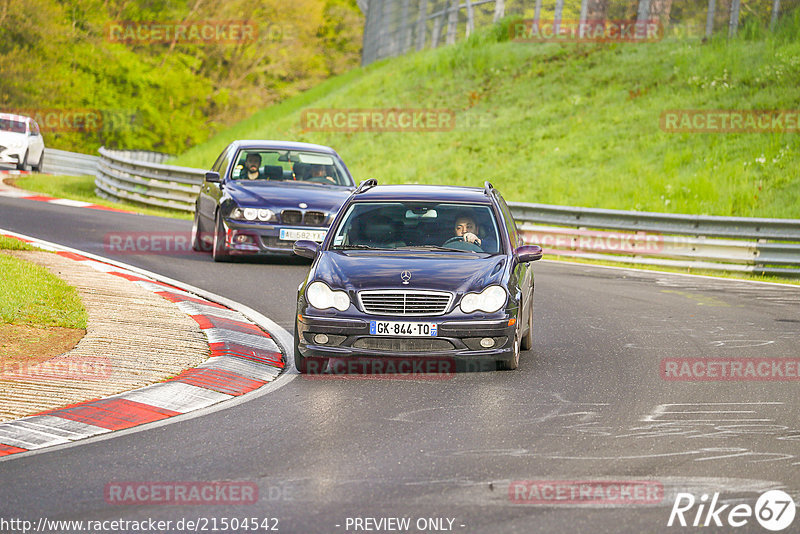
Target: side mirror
(527,253)
(212,177)
(305,248)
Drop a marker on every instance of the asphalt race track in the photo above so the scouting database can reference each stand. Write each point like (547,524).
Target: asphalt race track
(587,404)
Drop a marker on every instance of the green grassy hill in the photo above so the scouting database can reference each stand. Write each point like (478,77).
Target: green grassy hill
(570,124)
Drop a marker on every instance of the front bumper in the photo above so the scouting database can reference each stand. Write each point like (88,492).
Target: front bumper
(247,239)
(12,155)
(456,339)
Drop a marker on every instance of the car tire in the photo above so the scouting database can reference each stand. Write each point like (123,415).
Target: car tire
(527,340)
(197,243)
(218,251)
(513,363)
(24,163)
(38,167)
(305,365)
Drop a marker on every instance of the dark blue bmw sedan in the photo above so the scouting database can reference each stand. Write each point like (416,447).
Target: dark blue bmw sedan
(417,272)
(261,196)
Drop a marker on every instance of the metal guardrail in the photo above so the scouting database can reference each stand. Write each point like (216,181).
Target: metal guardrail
(753,245)
(747,227)
(69,163)
(140,176)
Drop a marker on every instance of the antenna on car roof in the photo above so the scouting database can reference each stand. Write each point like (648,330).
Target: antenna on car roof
(365,185)
(488,188)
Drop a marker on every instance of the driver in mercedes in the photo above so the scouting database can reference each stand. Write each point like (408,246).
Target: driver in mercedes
(467,229)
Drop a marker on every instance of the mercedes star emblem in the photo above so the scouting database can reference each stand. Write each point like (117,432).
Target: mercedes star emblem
(405,276)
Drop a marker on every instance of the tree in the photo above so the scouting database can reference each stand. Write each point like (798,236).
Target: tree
(167,96)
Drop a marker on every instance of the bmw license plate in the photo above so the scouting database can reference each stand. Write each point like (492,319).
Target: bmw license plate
(402,329)
(294,234)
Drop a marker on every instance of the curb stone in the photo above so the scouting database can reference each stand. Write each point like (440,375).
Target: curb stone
(242,359)
(133,338)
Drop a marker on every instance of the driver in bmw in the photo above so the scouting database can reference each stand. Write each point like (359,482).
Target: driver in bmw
(467,228)
(251,167)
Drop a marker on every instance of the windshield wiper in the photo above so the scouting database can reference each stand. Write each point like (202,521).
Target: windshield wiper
(353,247)
(427,247)
(444,249)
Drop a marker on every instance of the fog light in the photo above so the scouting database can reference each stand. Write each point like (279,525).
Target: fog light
(321,339)
(242,238)
(487,342)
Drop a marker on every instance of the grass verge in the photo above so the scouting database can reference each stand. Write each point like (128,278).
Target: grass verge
(32,295)
(10,243)
(569,124)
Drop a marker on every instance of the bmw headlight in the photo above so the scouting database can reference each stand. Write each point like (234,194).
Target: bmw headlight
(322,297)
(489,300)
(265,215)
(251,214)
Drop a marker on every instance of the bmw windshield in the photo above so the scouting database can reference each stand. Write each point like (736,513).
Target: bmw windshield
(289,165)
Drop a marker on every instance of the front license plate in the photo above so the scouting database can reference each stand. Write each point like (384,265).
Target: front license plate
(293,234)
(402,329)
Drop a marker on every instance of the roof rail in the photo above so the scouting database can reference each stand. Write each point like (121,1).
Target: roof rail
(488,188)
(365,185)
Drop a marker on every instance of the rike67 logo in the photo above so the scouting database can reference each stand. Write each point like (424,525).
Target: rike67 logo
(774,510)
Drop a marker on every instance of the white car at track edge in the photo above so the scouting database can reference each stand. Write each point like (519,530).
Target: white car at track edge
(21,142)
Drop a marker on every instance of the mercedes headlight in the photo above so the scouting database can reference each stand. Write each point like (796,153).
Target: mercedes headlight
(322,297)
(489,300)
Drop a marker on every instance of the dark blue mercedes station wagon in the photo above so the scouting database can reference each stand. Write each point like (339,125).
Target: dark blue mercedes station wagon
(419,272)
